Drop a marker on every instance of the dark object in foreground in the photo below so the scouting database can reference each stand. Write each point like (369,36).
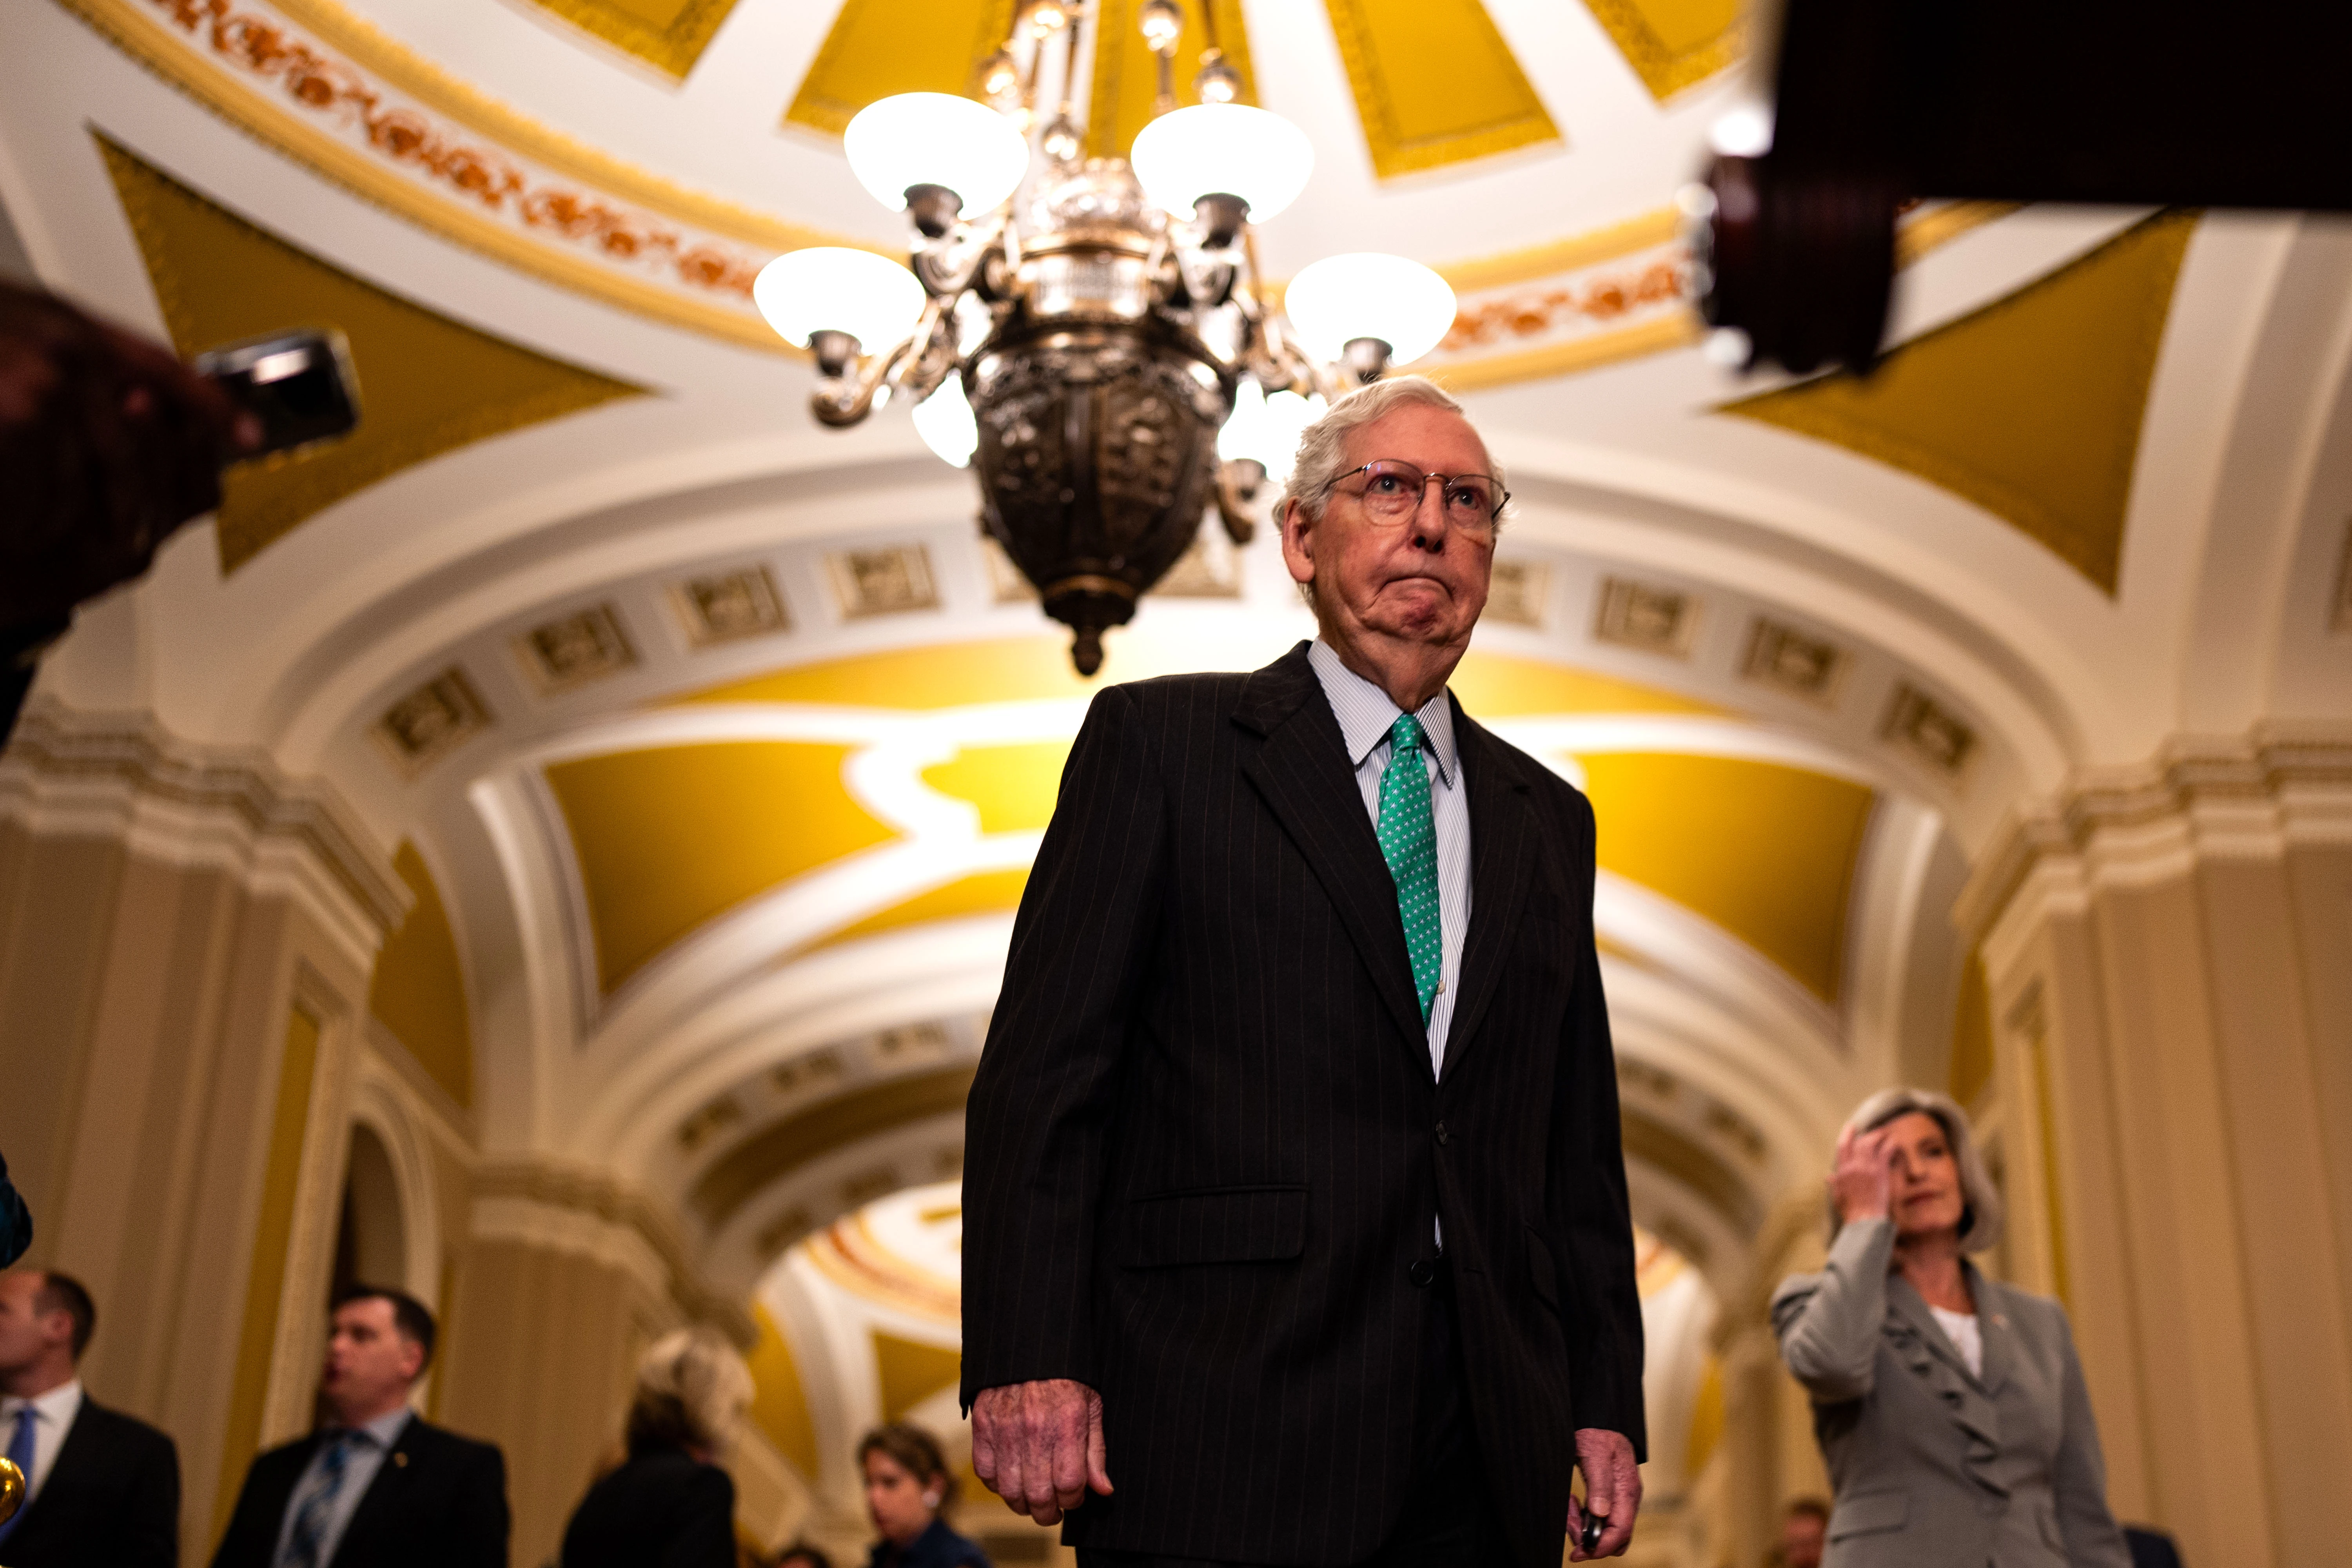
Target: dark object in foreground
(109,445)
(298,385)
(2097,102)
(15,1219)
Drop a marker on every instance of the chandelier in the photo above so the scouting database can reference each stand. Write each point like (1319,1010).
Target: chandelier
(1092,334)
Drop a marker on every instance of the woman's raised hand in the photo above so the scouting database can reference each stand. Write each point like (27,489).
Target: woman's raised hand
(1861,1183)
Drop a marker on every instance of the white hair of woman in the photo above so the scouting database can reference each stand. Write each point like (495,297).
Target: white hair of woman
(691,1393)
(1980,1212)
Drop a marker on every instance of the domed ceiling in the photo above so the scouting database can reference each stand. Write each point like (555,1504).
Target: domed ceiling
(713,747)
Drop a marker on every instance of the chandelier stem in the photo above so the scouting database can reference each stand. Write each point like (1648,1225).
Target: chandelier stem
(1070,63)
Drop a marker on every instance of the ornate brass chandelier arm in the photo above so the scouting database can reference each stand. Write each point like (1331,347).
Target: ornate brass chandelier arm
(843,401)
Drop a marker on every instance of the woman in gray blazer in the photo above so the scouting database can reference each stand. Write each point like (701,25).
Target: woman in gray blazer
(1950,1407)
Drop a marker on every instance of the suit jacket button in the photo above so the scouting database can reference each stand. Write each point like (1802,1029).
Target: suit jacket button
(1421,1272)
(1442,1136)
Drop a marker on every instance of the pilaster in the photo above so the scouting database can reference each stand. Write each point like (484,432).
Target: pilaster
(2166,949)
(186,938)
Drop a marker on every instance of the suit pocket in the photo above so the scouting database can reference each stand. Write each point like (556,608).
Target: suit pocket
(1542,1271)
(1869,1513)
(1214,1224)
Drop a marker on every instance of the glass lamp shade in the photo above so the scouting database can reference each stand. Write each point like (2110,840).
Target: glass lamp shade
(1267,428)
(935,139)
(829,288)
(1367,295)
(1228,149)
(944,421)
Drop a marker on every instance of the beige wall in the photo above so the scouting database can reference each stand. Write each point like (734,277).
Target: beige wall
(2167,952)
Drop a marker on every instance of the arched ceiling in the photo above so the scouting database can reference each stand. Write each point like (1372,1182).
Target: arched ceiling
(716,745)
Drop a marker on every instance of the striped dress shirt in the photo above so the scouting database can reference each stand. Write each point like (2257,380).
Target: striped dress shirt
(1366,716)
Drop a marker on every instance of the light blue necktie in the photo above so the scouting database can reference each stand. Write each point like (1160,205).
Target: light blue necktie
(20,1454)
(303,1548)
(1408,837)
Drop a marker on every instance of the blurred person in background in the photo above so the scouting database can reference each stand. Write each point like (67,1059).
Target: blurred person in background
(1950,1407)
(376,1486)
(669,1505)
(907,1484)
(101,1488)
(108,445)
(1804,1532)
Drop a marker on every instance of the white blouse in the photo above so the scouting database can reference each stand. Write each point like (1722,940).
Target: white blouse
(1966,1337)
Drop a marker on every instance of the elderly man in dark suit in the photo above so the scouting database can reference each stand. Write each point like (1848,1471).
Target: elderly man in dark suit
(376,1486)
(103,1487)
(1292,1189)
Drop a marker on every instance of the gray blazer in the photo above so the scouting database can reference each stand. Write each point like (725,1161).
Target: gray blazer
(1935,1468)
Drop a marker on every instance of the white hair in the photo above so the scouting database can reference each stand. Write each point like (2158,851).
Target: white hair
(1980,1212)
(695,1373)
(1322,457)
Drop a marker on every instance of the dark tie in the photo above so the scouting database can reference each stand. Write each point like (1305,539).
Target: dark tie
(20,1454)
(304,1548)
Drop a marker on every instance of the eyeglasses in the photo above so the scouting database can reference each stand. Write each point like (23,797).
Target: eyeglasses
(1391,494)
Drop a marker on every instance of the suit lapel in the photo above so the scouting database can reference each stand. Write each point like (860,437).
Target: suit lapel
(1501,847)
(78,1452)
(1993,1326)
(1301,771)
(1902,1299)
(381,1502)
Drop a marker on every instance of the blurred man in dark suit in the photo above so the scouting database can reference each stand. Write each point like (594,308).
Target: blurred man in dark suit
(102,1489)
(376,1486)
(1292,1190)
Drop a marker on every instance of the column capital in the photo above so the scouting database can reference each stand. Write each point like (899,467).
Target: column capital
(122,776)
(2246,796)
(586,1214)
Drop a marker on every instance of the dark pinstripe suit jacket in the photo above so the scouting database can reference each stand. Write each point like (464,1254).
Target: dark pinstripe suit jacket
(1204,1146)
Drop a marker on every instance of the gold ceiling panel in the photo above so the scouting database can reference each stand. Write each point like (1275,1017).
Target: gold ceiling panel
(1499,686)
(419,989)
(1764,851)
(1673,44)
(954,675)
(2030,408)
(1126,80)
(669,838)
(1397,50)
(783,1147)
(910,1372)
(878,48)
(1014,786)
(982,893)
(779,1397)
(427,384)
(667,34)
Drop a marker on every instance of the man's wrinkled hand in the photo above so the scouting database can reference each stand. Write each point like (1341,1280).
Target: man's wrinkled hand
(1612,1488)
(1039,1446)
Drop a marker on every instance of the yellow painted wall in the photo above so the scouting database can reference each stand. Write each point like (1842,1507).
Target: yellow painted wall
(273,1233)
(419,989)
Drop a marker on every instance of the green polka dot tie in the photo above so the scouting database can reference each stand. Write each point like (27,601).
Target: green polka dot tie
(1409,840)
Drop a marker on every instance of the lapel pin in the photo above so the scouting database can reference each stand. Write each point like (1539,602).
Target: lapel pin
(2000,1320)
(401,1460)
